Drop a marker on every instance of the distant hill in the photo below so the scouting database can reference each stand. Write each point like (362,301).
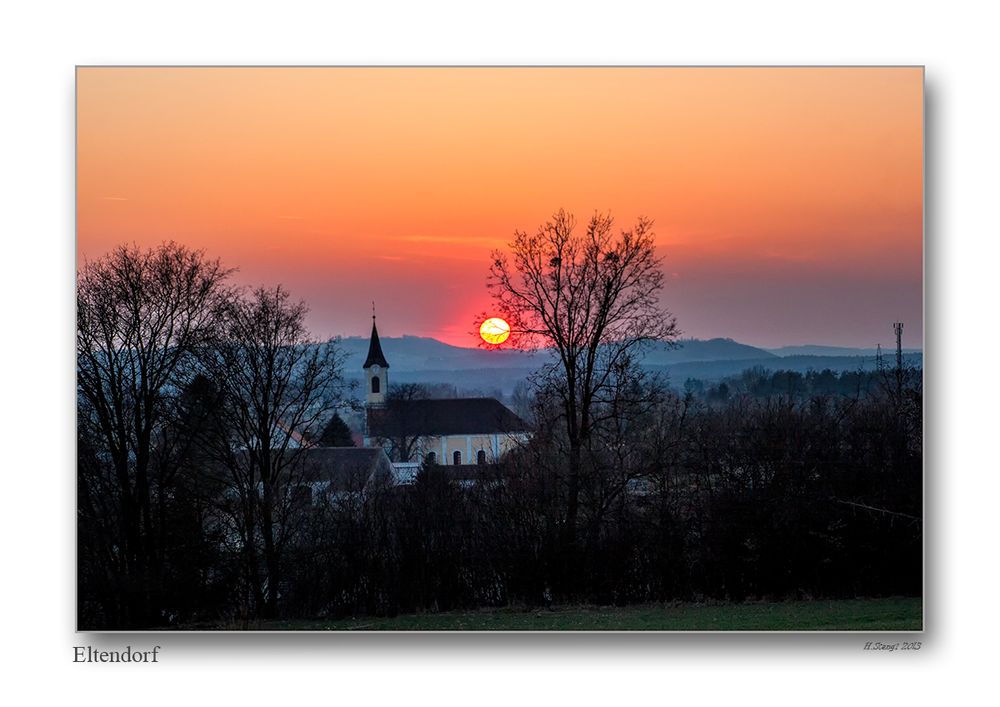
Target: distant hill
(417,359)
(702,350)
(418,353)
(814,350)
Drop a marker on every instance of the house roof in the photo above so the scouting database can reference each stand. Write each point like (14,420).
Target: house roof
(375,355)
(346,468)
(440,417)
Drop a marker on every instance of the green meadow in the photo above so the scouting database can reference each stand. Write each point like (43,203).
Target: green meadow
(891,614)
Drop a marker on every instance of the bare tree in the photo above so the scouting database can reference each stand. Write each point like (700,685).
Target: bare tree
(140,316)
(593,298)
(397,426)
(278,386)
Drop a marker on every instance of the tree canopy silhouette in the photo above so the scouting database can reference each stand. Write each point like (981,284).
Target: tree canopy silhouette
(592,296)
(141,315)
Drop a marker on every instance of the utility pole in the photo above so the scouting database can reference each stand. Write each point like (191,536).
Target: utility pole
(898,328)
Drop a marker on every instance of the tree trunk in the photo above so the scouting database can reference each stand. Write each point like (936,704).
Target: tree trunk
(270,556)
(253,569)
(573,494)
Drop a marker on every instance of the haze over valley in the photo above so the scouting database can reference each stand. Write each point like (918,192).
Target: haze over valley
(417,359)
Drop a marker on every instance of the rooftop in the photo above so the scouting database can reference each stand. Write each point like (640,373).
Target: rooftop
(441,417)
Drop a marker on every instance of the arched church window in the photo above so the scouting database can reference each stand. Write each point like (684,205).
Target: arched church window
(480,457)
(431,458)
(457,456)
(375,385)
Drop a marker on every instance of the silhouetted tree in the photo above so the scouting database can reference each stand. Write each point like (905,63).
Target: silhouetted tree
(398,422)
(336,433)
(593,297)
(141,314)
(198,573)
(277,384)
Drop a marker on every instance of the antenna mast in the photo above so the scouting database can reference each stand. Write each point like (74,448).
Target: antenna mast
(898,328)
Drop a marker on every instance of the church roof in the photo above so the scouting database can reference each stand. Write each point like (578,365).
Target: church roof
(440,417)
(375,355)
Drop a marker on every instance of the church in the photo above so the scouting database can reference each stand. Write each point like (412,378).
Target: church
(449,432)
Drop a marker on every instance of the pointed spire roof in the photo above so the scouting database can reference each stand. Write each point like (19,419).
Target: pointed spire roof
(375,355)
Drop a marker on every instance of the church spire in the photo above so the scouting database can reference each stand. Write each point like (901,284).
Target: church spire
(375,355)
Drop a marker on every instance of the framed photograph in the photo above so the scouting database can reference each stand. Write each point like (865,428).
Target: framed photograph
(500,349)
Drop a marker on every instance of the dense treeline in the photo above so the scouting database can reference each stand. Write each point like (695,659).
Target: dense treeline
(754,498)
(761,382)
(190,395)
(757,498)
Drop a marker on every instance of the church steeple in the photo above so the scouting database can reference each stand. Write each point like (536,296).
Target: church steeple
(376,368)
(375,355)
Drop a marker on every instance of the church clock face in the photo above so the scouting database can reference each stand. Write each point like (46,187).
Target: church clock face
(375,368)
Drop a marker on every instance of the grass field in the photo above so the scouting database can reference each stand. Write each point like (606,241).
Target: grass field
(894,614)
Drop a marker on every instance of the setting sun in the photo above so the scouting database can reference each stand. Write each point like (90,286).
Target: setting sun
(494,330)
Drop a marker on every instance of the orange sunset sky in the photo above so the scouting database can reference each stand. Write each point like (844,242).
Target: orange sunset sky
(787,201)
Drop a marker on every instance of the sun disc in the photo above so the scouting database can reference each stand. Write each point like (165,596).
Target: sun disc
(494,330)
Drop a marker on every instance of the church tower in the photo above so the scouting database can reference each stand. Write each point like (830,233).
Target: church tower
(376,370)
